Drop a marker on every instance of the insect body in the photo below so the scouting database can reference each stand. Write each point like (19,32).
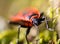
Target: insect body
(27,18)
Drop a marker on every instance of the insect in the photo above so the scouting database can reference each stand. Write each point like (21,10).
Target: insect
(27,18)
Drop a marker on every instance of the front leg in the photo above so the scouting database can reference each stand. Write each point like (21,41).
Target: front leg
(33,32)
(27,32)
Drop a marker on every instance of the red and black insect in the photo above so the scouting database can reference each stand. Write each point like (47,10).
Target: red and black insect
(27,18)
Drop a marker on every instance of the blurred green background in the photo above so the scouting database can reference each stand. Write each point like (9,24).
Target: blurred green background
(11,7)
